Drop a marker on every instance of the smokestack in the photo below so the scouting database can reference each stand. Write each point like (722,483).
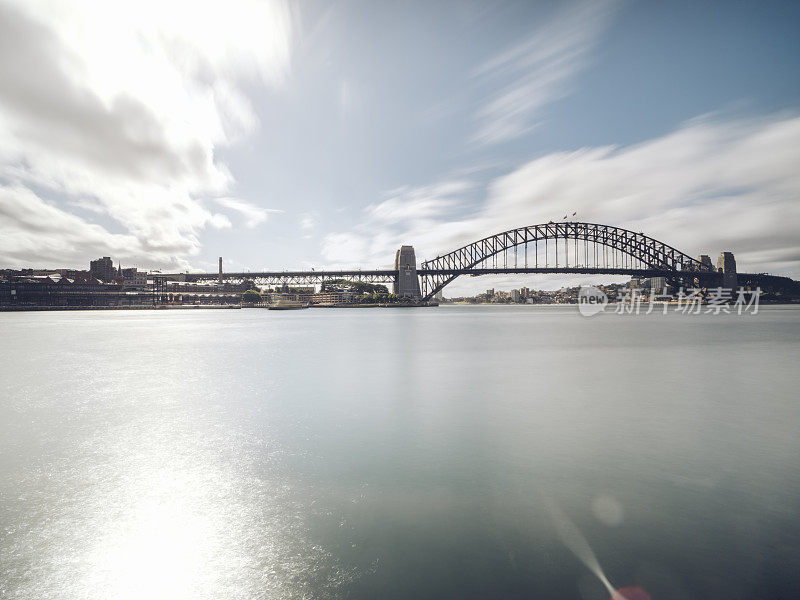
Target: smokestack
(220,269)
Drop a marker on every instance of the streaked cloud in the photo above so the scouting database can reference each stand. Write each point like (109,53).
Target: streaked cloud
(122,107)
(709,186)
(308,221)
(33,231)
(347,248)
(254,215)
(538,70)
(146,129)
(418,203)
(373,240)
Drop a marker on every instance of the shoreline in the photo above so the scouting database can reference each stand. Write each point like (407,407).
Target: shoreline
(239,306)
(135,307)
(29,308)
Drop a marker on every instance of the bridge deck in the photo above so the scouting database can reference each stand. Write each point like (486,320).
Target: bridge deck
(388,275)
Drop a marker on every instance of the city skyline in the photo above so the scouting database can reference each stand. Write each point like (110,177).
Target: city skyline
(315,135)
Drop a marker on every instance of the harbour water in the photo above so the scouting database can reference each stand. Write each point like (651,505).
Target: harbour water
(451,452)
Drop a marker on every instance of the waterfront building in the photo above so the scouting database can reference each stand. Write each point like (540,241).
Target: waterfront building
(45,291)
(103,269)
(333,298)
(134,278)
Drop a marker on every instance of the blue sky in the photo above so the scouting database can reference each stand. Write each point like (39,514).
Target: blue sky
(327,134)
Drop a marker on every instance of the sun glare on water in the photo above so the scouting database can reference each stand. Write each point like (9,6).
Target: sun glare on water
(162,549)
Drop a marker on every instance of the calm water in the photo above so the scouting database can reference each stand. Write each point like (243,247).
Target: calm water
(458,452)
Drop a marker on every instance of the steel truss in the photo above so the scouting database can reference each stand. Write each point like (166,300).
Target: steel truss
(291,278)
(604,249)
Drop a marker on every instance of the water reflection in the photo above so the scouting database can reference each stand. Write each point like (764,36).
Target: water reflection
(397,454)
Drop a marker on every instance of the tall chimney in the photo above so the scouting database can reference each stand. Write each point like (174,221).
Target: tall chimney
(220,269)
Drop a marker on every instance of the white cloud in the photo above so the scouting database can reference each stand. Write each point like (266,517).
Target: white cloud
(539,70)
(122,106)
(308,221)
(308,224)
(707,187)
(408,204)
(345,249)
(385,224)
(254,215)
(34,231)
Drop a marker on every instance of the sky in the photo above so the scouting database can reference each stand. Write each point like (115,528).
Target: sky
(289,135)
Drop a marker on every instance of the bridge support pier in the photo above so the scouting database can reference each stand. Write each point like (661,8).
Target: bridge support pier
(407,281)
(726,265)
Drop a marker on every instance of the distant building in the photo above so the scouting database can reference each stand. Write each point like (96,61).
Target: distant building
(103,269)
(705,260)
(333,298)
(490,293)
(134,278)
(40,290)
(515,296)
(439,296)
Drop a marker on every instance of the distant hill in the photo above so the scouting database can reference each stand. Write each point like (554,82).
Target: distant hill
(774,287)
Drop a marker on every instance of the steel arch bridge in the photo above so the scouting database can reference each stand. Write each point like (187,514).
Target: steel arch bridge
(569,247)
(554,247)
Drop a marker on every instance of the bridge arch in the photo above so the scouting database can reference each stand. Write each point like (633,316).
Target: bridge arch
(601,243)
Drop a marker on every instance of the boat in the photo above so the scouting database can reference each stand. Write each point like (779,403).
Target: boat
(284,304)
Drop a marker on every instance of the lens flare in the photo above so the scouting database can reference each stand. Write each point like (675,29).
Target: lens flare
(573,539)
(630,593)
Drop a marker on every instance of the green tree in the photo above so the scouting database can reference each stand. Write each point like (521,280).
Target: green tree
(357,287)
(251,296)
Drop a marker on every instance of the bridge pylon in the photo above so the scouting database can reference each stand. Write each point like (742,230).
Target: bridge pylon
(406,282)
(726,265)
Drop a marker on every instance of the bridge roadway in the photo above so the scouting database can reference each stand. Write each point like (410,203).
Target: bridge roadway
(390,275)
(289,277)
